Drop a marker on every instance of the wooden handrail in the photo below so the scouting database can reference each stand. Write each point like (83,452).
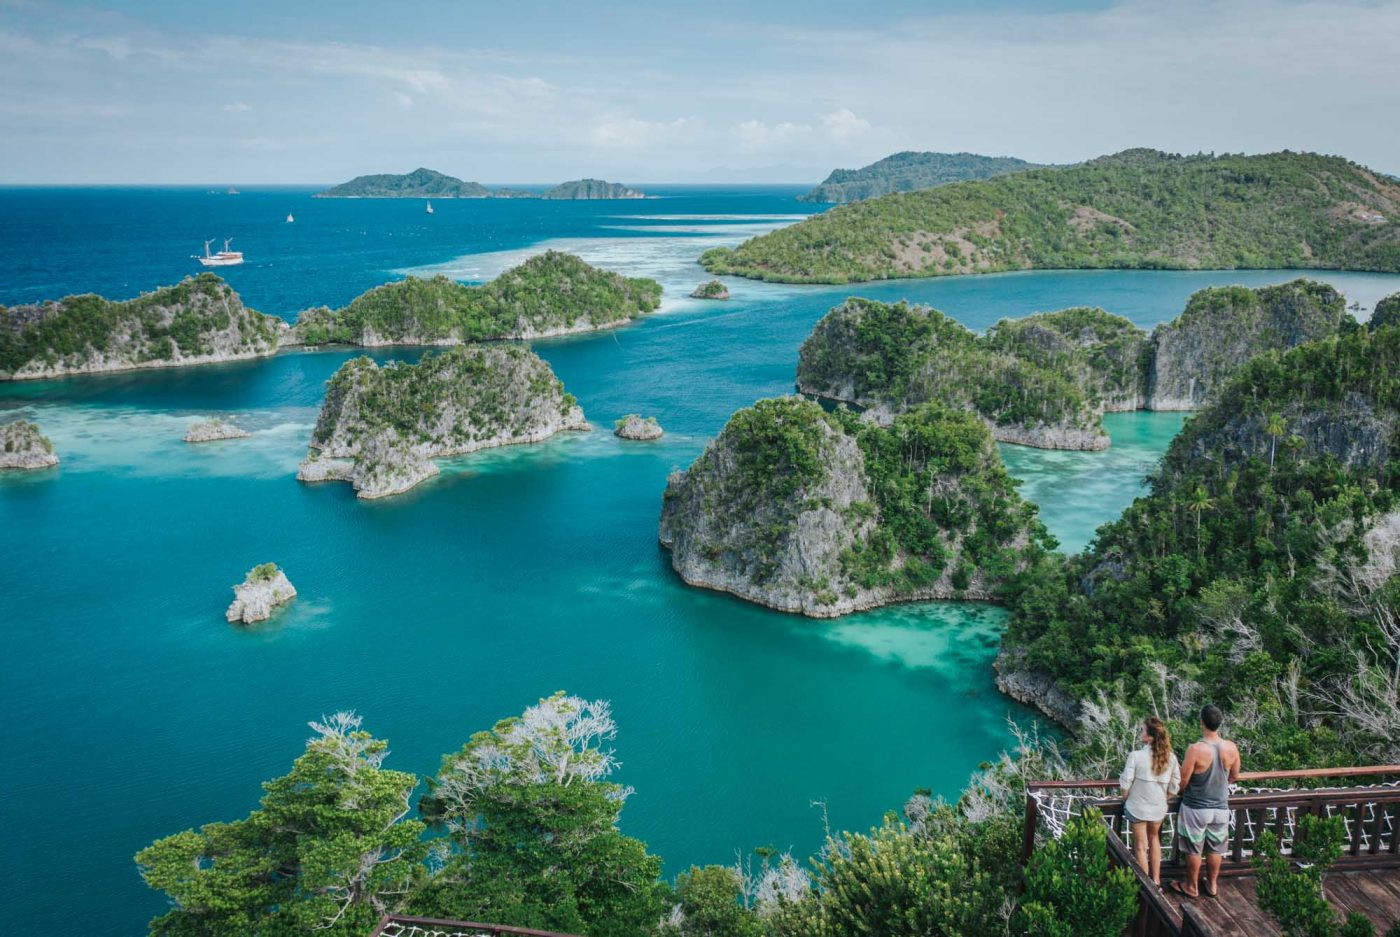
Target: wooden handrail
(426,922)
(1244,776)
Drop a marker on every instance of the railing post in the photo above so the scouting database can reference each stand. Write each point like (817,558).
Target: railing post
(1032,821)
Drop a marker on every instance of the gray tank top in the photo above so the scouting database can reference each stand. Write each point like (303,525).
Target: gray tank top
(1209,789)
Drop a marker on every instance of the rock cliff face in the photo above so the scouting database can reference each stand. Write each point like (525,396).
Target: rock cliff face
(1046,380)
(213,430)
(633,426)
(1224,327)
(1035,688)
(381,427)
(198,321)
(818,513)
(22,446)
(261,592)
(550,294)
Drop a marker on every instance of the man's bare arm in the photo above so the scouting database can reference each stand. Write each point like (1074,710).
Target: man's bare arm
(1234,762)
(1188,766)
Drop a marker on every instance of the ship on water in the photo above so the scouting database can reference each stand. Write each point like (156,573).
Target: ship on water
(430,208)
(224,258)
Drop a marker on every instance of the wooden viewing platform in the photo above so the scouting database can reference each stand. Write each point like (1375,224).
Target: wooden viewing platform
(1365,879)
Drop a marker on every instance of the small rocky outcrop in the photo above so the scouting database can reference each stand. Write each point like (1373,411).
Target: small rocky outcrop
(713,289)
(798,509)
(22,446)
(261,592)
(213,430)
(200,320)
(633,426)
(381,427)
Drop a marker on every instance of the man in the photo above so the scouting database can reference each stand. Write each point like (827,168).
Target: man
(1203,822)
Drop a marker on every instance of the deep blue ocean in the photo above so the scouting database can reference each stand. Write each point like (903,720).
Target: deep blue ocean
(132,710)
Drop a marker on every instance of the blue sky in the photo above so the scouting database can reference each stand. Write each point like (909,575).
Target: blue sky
(540,90)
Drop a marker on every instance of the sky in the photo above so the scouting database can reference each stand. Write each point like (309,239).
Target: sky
(538,91)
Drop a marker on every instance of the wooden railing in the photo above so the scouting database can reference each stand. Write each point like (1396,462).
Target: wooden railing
(402,925)
(1371,814)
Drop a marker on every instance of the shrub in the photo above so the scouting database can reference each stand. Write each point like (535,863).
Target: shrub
(1071,891)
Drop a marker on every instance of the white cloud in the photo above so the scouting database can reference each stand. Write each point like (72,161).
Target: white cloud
(843,124)
(755,136)
(403,100)
(631,133)
(238,107)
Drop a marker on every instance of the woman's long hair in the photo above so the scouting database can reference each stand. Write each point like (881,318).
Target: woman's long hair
(1161,744)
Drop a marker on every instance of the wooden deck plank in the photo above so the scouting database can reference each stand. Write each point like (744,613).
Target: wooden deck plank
(1377,894)
(1243,905)
(1388,878)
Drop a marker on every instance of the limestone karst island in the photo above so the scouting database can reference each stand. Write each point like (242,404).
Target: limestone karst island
(760,470)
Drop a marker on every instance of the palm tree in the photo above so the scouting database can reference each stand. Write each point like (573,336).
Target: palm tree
(1275,428)
(1198,502)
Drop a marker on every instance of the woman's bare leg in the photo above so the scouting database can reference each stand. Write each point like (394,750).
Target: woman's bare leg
(1140,835)
(1154,847)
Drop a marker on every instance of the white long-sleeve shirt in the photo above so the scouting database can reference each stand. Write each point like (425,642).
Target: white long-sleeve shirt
(1148,792)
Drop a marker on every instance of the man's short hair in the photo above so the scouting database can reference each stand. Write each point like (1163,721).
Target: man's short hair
(1211,717)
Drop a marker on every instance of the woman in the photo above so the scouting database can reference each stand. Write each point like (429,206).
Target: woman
(1150,776)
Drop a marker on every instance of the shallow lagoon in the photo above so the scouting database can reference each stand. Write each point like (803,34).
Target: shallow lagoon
(133,711)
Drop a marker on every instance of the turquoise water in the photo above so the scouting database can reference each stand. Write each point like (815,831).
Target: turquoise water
(132,710)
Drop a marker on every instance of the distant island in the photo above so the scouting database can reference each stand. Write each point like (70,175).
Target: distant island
(198,321)
(421,183)
(807,511)
(909,171)
(428,183)
(1047,379)
(592,188)
(550,294)
(1139,209)
(381,427)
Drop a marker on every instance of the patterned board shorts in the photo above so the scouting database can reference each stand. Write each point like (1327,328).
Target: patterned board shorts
(1203,831)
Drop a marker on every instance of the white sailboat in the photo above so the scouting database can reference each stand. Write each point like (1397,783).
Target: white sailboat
(224,258)
(290,219)
(430,208)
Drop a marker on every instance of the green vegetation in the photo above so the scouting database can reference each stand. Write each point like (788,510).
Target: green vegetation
(547,294)
(1386,313)
(520,827)
(711,289)
(1046,379)
(942,495)
(421,183)
(447,402)
(823,512)
(1070,889)
(909,171)
(591,188)
(329,847)
(263,572)
(23,436)
(1140,209)
(200,316)
(1258,573)
(1054,370)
